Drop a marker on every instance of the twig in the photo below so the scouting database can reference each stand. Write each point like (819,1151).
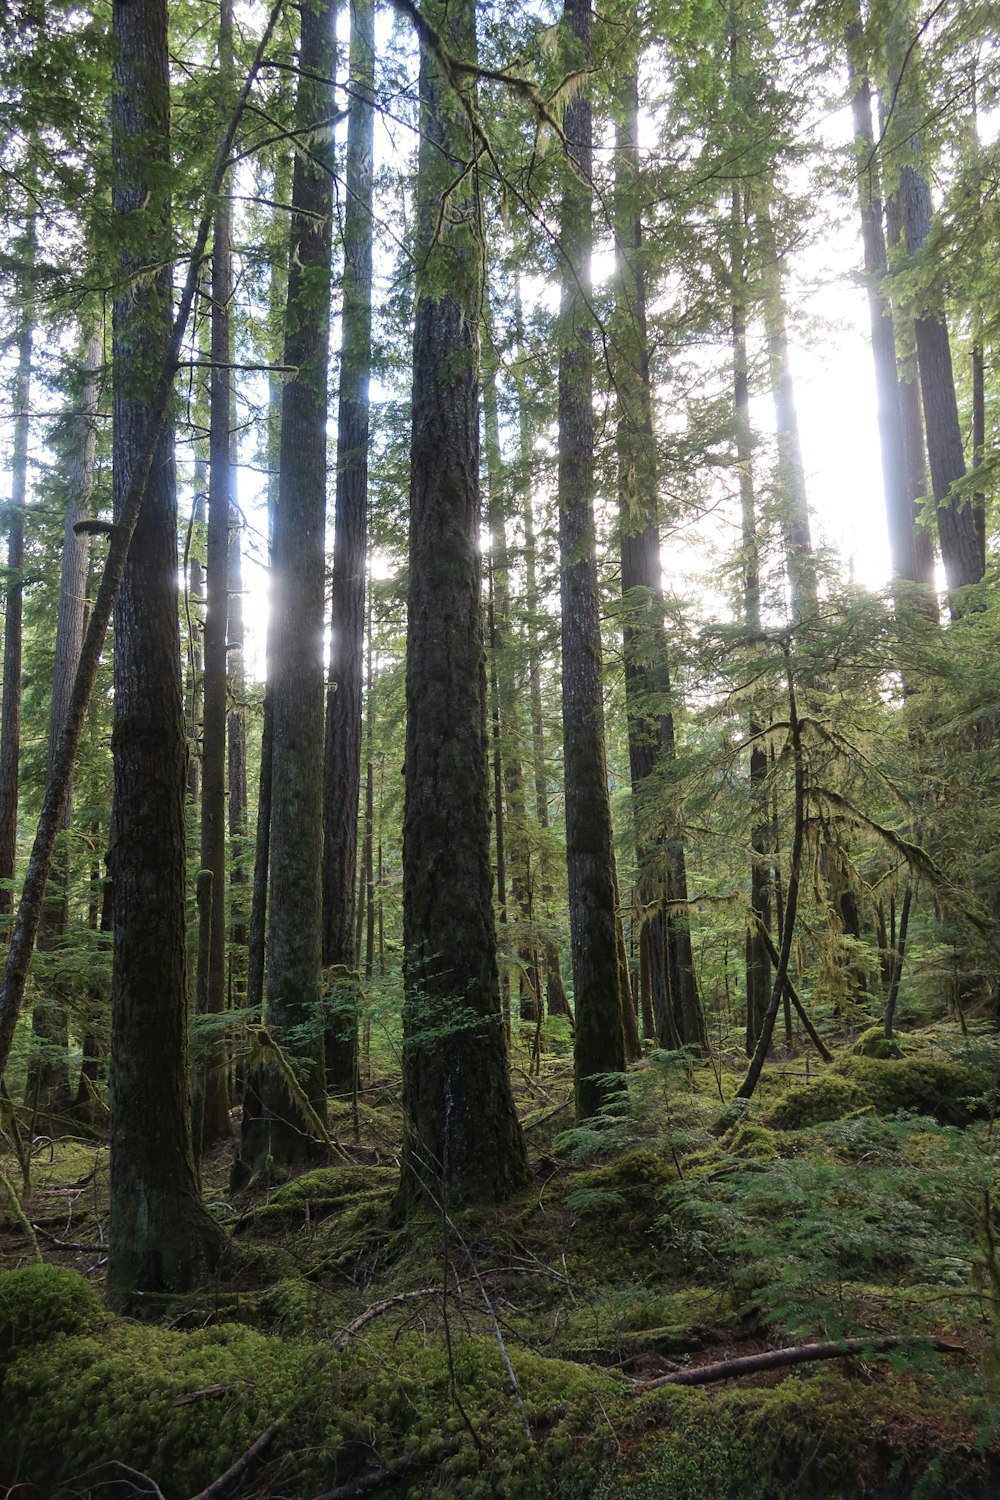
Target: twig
(235,1470)
(541,1119)
(377,1308)
(370,1484)
(798,1354)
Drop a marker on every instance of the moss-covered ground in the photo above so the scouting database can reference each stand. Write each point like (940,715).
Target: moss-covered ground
(522,1350)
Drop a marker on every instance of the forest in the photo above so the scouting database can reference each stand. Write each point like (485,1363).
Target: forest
(499,763)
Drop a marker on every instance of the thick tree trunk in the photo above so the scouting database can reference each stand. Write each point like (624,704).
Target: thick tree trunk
(48,1089)
(293,1011)
(161,1236)
(673,982)
(15,973)
(236,755)
(10,711)
(215,1123)
(599,1051)
(960,552)
(462,1140)
(347,618)
(909,560)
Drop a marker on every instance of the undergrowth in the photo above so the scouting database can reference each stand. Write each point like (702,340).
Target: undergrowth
(512,1352)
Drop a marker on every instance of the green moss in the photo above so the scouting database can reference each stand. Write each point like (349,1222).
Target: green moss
(922,1085)
(177,1406)
(327,1188)
(38,1301)
(829,1098)
(751,1143)
(875,1043)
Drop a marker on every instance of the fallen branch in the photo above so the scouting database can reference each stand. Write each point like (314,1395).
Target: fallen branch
(377,1308)
(235,1470)
(798,1354)
(374,1481)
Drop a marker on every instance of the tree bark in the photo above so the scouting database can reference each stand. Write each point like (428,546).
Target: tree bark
(347,619)
(757,964)
(22,940)
(161,1236)
(556,1002)
(215,1124)
(10,711)
(462,1140)
(909,560)
(599,1050)
(48,1089)
(295,918)
(960,552)
(675,1001)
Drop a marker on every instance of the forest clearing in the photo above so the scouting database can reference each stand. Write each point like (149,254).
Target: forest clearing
(499,766)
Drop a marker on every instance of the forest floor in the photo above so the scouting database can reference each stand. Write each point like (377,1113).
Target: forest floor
(537,1349)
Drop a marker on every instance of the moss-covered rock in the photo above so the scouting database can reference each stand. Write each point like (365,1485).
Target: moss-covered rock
(875,1043)
(38,1301)
(921,1085)
(828,1098)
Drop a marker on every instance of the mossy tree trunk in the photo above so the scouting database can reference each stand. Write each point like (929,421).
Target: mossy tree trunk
(293,1012)
(462,1139)
(599,1050)
(161,1235)
(342,780)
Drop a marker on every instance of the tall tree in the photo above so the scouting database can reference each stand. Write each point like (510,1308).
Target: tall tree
(48,1078)
(294,982)
(342,778)
(912,559)
(161,1234)
(599,1052)
(462,1139)
(666,930)
(215,1122)
(10,711)
(960,549)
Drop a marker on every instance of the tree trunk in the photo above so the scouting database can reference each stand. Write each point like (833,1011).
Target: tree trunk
(48,1090)
(909,561)
(501,644)
(556,1002)
(10,712)
(295,916)
(195,615)
(161,1236)
(599,1050)
(647,675)
(800,560)
(960,551)
(462,1140)
(347,619)
(756,958)
(215,1124)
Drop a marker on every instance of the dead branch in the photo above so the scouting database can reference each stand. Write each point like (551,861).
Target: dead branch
(377,1478)
(237,1469)
(798,1354)
(377,1308)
